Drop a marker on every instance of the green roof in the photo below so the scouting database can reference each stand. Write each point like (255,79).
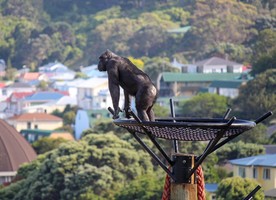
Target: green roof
(37,132)
(199,77)
(226,84)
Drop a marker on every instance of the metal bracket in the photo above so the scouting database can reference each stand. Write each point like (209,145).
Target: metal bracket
(181,168)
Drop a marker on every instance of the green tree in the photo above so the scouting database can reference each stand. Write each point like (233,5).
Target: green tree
(272,138)
(265,62)
(46,144)
(205,105)
(257,97)
(98,165)
(155,66)
(239,150)
(237,188)
(146,187)
(256,135)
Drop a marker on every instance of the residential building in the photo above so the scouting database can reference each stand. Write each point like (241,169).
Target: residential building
(51,106)
(32,135)
(39,98)
(262,168)
(94,94)
(189,84)
(214,75)
(35,121)
(14,151)
(15,102)
(33,78)
(17,87)
(86,119)
(57,71)
(2,68)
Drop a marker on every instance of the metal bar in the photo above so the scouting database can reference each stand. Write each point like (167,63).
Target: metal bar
(153,155)
(263,117)
(212,144)
(151,137)
(250,196)
(175,142)
(227,113)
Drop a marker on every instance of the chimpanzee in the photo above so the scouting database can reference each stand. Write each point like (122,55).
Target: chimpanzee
(122,72)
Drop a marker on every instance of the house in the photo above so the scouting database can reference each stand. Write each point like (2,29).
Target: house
(32,78)
(57,71)
(2,68)
(17,87)
(14,151)
(15,101)
(32,135)
(35,121)
(189,84)
(211,188)
(92,71)
(262,168)
(86,119)
(93,94)
(51,106)
(42,97)
(68,86)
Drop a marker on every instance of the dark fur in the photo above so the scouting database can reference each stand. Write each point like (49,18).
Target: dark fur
(122,72)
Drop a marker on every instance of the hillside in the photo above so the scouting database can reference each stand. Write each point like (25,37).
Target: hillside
(35,32)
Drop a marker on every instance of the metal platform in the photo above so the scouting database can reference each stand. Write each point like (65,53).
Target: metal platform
(188,129)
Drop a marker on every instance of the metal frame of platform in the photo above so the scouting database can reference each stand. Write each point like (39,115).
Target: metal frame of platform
(218,131)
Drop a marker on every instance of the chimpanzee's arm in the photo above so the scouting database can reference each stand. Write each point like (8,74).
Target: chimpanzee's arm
(127,104)
(114,88)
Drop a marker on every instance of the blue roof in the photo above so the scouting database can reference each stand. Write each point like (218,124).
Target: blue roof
(268,160)
(211,187)
(40,96)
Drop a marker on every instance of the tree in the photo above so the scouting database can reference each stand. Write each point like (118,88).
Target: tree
(46,144)
(237,188)
(217,21)
(265,62)
(146,187)
(239,150)
(96,166)
(257,97)
(205,105)
(256,135)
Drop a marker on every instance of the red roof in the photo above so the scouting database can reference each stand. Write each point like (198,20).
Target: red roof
(35,117)
(18,95)
(2,85)
(31,76)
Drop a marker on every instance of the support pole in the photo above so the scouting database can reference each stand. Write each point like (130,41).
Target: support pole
(184,187)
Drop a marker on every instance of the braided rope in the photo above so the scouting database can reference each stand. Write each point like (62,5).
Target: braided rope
(167,188)
(200,186)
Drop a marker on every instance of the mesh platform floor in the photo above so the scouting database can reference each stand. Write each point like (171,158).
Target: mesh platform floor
(187,129)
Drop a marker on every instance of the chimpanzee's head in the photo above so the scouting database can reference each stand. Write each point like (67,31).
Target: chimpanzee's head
(103,60)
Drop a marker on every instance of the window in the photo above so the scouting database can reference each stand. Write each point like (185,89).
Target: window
(242,172)
(29,125)
(266,174)
(255,172)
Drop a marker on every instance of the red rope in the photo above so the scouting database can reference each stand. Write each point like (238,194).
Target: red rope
(200,186)
(167,188)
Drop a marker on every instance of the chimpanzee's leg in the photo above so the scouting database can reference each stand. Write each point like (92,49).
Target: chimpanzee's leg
(144,99)
(150,114)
